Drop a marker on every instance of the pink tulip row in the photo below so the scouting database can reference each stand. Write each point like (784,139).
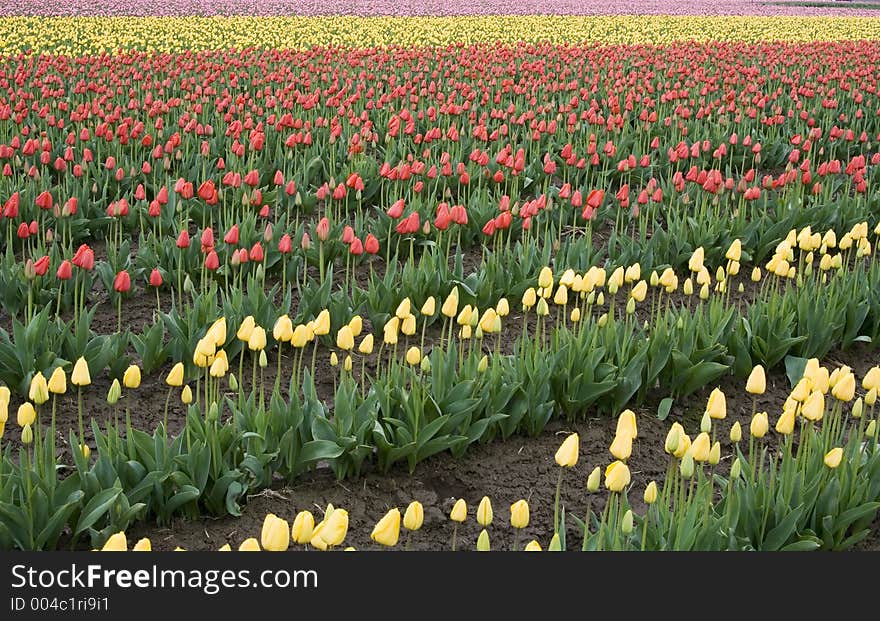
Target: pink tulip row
(424,8)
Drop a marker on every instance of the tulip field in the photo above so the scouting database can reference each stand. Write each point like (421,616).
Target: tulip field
(302,276)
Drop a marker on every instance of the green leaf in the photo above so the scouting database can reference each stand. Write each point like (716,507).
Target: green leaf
(96,508)
(794,369)
(664,408)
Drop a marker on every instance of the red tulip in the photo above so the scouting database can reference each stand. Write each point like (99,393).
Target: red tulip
(231,236)
(207,239)
(41,266)
(372,244)
(323,229)
(122,282)
(356,248)
(155,278)
(23,231)
(212,261)
(65,270)
(347,235)
(285,244)
(256,252)
(44,200)
(396,210)
(183,239)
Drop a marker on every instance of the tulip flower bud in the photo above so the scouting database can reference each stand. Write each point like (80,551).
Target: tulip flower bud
(871,397)
(459,511)
(833,457)
(366,346)
(186,395)
(532,546)
(757,382)
(39,389)
(603,319)
(414,516)
(263,361)
(175,375)
(759,425)
(626,524)
(425,365)
(132,377)
(701,447)
(617,476)
(484,512)
(715,454)
(57,382)
(26,414)
(249,545)
(429,307)
(706,423)
(334,359)
(686,468)
(858,408)
(303,525)
(114,393)
(621,446)
(483,542)
(413,356)
(735,469)
(555,544)
(27,435)
(567,454)
(483,364)
(275,536)
(672,439)
(116,543)
(80,375)
(871,429)
(651,493)
(519,514)
(387,530)
(213,412)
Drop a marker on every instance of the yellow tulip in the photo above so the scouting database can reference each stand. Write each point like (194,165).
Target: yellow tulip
(387,530)
(567,454)
(303,525)
(640,291)
(519,514)
(533,546)
(459,511)
(736,432)
(335,527)
(785,424)
(414,516)
(871,379)
(413,356)
(366,346)
(225,548)
(39,389)
(814,407)
(651,493)
(450,305)
(759,425)
(621,446)
(175,376)
(484,512)
(734,252)
(627,422)
(408,325)
(403,309)
(345,338)
(757,382)
(246,328)
(833,457)
(483,541)
(322,323)
(502,309)
(282,331)
(132,377)
(186,395)
(80,375)
(701,447)
(300,336)
(529,298)
(27,434)
(357,325)
(116,543)
(257,341)
(26,414)
(845,388)
(695,263)
(545,278)
(429,307)
(594,480)
(617,476)
(249,545)
(275,536)
(143,545)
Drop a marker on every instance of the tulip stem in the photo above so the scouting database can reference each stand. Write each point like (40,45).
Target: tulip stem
(556,504)
(165,416)
(454,535)
(79,411)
